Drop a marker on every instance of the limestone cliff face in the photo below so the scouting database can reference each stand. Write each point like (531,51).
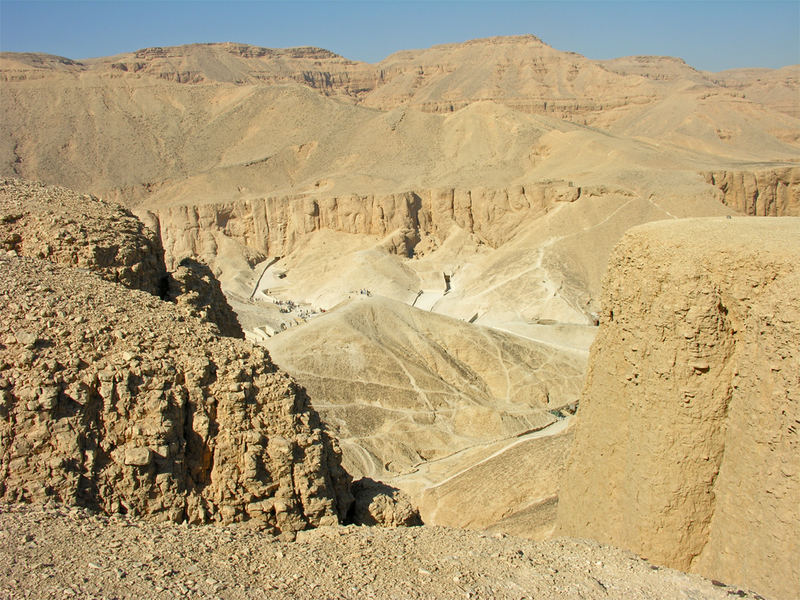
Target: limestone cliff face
(114,399)
(194,288)
(686,449)
(275,226)
(768,193)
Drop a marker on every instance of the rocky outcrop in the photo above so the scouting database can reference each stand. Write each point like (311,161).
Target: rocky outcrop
(379,504)
(768,193)
(114,399)
(275,226)
(686,449)
(62,226)
(193,287)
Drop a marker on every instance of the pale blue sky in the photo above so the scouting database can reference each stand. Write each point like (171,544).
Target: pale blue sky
(710,35)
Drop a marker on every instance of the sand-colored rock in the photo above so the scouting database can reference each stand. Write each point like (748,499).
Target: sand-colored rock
(193,287)
(776,88)
(62,226)
(247,154)
(769,193)
(65,227)
(486,181)
(686,448)
(114,399)
(379,504)
(487,491)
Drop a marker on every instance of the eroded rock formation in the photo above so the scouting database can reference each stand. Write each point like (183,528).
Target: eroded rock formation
(768,193)
(275,226)
(62,226)
(194,288)
(115,399)
(379,504)
(686,449)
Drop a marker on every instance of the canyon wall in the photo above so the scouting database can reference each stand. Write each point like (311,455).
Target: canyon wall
(767,193)
(686,449)
(275,226)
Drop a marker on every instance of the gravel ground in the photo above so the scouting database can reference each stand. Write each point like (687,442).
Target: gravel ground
(60,552)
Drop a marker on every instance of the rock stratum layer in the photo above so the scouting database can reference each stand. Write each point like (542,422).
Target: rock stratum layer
(686,448)
(277,225)
(769,193)
(112,398)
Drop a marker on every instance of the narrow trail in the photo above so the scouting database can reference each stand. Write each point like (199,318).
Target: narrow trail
(553,429)
(500,360)
(562,347)
(260,277)
(420,392)
(550,289)
(420,471)
(659,207)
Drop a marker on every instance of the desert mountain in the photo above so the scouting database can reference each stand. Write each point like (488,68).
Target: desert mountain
(279,120)
(436,226)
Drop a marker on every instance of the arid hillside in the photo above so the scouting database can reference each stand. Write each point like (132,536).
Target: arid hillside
(420,242)
(250,121)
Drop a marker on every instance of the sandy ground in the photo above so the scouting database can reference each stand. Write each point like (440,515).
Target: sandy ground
(61,553)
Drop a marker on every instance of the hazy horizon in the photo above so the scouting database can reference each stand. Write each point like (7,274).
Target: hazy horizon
(711,36)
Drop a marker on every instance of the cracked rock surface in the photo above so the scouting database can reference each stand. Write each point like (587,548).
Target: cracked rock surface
(114,399)
(62,226)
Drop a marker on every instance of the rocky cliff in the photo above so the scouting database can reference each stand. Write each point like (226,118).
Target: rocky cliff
(62,226)
(767,193)
(686,449)
(113,399)
(193,287)
(79,230)
(277,225)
